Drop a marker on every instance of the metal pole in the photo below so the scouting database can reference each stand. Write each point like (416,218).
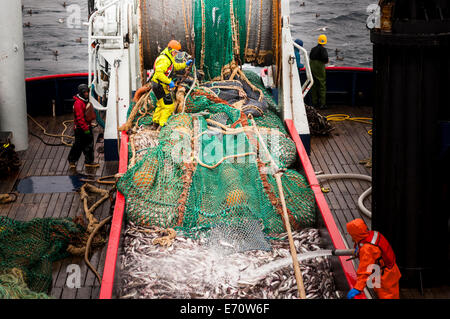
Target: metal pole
(13,107)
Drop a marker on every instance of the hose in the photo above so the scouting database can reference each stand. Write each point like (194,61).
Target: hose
(46,143)
(361,198)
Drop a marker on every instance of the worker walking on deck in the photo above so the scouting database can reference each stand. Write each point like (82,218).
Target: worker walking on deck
(318,58)
(373,251)
(84,138)
(162,83)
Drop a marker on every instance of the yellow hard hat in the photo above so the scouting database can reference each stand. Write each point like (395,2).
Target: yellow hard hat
(322,39)
(174,44)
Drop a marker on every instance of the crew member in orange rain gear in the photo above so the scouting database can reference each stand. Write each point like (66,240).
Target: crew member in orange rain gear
(373,248)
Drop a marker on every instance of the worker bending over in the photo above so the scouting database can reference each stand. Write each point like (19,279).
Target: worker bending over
(372,248)
(318,58)
(162,82)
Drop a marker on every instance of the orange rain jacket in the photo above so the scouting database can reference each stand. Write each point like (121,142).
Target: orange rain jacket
(368,254)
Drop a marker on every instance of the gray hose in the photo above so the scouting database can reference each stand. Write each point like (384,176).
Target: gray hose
(343,252)
(361,198)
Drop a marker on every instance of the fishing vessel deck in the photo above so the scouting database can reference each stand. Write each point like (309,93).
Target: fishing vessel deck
(45,160)
(340,152)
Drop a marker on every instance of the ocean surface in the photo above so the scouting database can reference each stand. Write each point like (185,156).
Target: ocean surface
(55,35)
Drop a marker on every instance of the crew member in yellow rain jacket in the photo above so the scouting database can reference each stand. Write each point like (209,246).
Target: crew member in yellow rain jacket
(161,81)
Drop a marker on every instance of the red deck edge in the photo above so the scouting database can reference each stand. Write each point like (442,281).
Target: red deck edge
(109,269)
(336,238)
(116,225)
(56,76)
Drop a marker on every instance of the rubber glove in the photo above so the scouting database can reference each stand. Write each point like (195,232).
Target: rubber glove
(171,85)
(87,132)
(189,62)
(352,293)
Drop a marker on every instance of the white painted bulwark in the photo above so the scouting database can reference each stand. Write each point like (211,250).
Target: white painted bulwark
(13,107)
(291,97)
(118,97)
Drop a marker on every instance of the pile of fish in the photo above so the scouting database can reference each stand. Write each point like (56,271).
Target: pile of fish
(144,139)
(191,269)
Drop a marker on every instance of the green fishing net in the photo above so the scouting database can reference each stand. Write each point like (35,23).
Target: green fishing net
(30,248)
(214,24)
(200,176)
(210,167)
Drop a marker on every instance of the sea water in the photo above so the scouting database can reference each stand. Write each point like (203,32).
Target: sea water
(54,27)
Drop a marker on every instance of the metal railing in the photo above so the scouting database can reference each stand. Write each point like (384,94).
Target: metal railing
(91,49)
(309,78)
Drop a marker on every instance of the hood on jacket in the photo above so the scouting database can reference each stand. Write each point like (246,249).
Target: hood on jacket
(78,97)
(168,51)
(357,228)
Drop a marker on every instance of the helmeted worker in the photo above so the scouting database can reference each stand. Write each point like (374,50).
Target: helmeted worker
(372,248)
(161,82)
(318,58)
(84,138)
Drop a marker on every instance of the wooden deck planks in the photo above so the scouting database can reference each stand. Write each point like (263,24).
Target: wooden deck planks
(340,153)
(46,160)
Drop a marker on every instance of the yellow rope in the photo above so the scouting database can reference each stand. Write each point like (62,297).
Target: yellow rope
(62,135)
(345,117)
(258,44)
(234,31)
(93,224)
(7,198)
(223,159)
(143,101)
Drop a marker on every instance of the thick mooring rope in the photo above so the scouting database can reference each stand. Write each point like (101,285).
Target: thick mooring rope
(93,224)
(62,135)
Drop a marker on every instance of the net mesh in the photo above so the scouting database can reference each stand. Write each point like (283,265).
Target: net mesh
(218,21)
(31,247)
(206,169)
(240,30)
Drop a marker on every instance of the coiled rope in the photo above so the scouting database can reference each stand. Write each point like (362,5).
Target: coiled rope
(62,135)
(93,224)
(345,117)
